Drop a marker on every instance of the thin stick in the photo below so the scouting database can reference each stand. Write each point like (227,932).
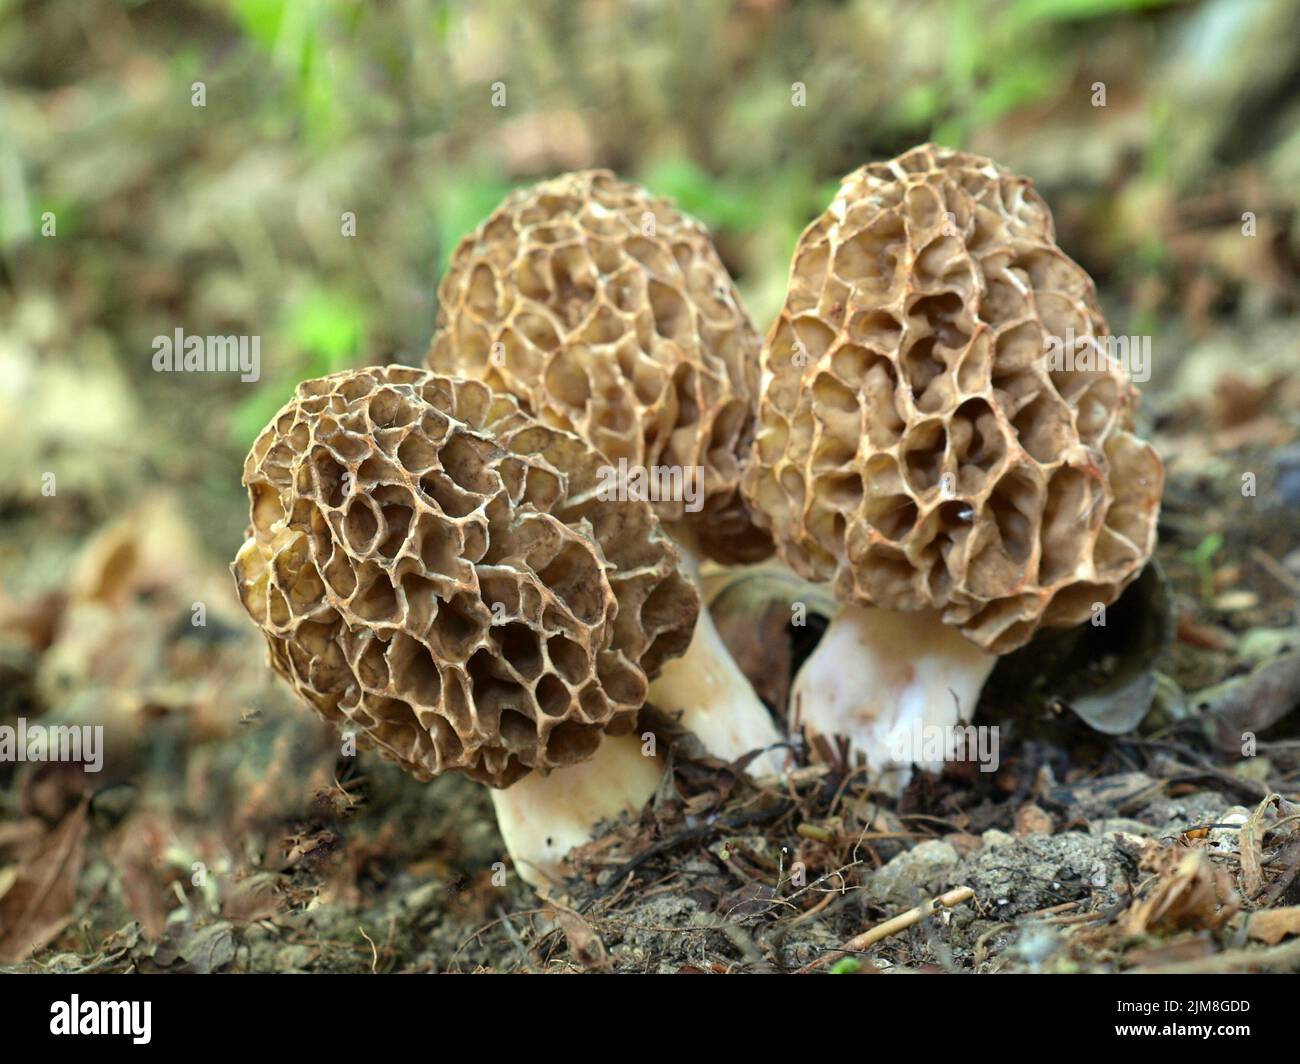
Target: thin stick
(374,953)
(515,940)
(1276,570)
(893,926)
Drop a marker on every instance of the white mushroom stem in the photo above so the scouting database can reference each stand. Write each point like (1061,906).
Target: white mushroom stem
(894,685)
(713,699)
(542,818)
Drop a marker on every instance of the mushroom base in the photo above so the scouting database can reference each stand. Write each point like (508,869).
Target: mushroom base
(712,698)
(714,701)
(894,685)
(542,818)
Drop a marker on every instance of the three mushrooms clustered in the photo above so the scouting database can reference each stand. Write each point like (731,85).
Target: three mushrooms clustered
(438,566)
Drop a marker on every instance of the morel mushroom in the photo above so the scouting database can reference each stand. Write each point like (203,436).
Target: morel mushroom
(432,571)
(944,437)
(605,310)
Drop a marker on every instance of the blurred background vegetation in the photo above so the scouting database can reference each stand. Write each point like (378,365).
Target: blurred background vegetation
(226,218)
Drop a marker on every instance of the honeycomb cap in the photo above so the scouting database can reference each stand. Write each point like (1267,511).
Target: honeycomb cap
(608,312)
(431,569)
(928,436)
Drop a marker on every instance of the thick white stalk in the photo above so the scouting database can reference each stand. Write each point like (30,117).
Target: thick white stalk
(714,701)
(893,684)
(712,698)
(543,817)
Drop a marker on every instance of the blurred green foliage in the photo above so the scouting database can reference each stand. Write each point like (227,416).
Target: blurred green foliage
(719,204)
(1000,57)
(460,205)
(226,217)
(1202,558)
(327,329)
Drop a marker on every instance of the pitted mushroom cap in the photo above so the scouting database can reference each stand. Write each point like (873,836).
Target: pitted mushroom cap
(432,570)
(608,312)
(921,443)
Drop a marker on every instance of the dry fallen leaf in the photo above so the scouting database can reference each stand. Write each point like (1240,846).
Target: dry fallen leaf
(1190,893)
(1271,926)
(21,836)
(1253,702)
(137,851)
(584,944)
(38,903)
(1251,848)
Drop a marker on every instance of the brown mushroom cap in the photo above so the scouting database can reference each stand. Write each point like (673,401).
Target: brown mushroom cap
(432,570)
(608,312)
(915,447)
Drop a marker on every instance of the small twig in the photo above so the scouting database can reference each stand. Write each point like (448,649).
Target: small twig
(893,926)
(478,933)
(816,910)
(981,944)
(1093,917)
(1052,910)
(1276,570)
(374,953)
(691,834)
(515,940)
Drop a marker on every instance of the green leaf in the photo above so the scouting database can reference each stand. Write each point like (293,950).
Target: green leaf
(328,326)
(718,204)
(260,19)
(254,413)
(966,49)
(1026,81)
(1207,548)
(920,105)
(462,204)
(322,118)
(1202,558)
(325,330)
(846,966)
(1071,10)
(951,133)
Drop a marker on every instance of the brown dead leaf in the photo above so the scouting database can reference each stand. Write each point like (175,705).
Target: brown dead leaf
(259,897)
(1251,848)
(1253,702)
(1237,400)
(1190,893)
(138,849)
(1182,949)
(759,645)
(38,903)
(307,846)
(584,944)
(32,622)
(1271,926)
(1207,637)
(19,838)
